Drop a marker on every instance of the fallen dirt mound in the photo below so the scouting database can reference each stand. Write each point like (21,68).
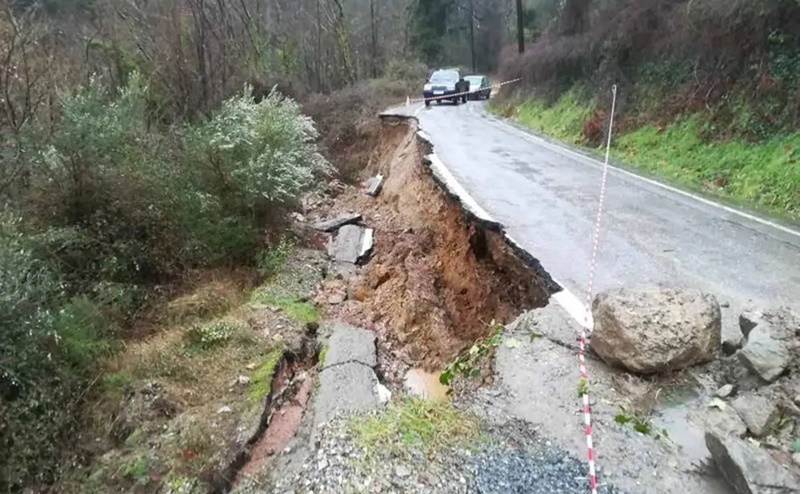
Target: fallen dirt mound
(438,276)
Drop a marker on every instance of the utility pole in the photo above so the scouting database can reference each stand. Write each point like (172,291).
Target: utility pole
(520,28)
(472,33)
(319,47)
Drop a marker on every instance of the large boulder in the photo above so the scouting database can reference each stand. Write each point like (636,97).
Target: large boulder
(650,330)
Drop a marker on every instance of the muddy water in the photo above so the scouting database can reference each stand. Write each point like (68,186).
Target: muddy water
(425,384)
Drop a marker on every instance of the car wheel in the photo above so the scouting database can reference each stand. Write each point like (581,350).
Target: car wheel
(427,103)
(464,99)
(456,101)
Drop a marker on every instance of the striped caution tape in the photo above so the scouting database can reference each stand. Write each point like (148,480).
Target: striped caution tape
(585,331)
(410,100)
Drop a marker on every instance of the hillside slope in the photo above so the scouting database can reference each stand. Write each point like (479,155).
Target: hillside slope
(709,91)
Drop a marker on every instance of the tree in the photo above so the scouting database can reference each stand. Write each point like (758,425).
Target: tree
(429,26)
(520,28)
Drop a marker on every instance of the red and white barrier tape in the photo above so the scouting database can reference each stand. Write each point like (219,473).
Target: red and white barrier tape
(410,100)
(585,331)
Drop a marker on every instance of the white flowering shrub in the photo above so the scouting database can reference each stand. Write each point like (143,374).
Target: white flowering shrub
(258,153)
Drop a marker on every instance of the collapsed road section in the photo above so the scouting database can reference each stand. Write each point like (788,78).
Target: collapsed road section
(440,271)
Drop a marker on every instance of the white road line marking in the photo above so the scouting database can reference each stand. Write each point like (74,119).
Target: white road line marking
(596,163)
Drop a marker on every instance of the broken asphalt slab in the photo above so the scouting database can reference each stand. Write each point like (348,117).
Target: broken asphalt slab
(351,244)
(347,382)
(530,385)
(374,185)
(749,469)
(350,344)
(334,224)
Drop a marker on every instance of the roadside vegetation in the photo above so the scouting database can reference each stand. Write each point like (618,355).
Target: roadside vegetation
(152,156)
(708,91)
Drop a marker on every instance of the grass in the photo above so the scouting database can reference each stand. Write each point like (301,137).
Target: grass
(764,175)
(563,120)
(322,354)
(261,380)
(195,366)
(415,423)
(301,311)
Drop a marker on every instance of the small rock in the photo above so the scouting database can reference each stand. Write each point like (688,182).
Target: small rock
(251,366)
(732,341)
(242,380)
(224,409)
(298,217)
(761,414)
(725,391)
(747,468)
(402,471)
(322,465)
(764,355)
(384,395)
(374,185)
(725,305)
(723,421)
(337,298)
(749,320)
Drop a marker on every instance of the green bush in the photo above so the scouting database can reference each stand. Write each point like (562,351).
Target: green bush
(49,346)
(113,203)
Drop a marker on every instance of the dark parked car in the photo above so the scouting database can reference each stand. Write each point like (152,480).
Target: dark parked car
(445,84)
(479,87)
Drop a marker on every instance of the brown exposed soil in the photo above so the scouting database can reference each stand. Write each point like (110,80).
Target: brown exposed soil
(438,277)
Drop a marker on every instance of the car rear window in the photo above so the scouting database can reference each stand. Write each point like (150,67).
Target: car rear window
(444,76)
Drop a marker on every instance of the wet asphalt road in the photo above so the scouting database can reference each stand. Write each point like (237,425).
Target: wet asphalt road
(546,196)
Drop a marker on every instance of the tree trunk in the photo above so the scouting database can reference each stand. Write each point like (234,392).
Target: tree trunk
(520,28)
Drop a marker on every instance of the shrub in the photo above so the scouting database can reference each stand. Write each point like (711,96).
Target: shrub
(49,347)
(257,155)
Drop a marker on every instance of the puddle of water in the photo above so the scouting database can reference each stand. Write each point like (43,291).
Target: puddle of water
(425,384)
(683,432)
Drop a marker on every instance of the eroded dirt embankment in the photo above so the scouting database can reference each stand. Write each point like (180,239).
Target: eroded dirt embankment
(439,275)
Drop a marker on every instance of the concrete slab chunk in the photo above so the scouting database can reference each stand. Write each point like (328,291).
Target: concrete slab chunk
(374,185)
(334,224)
(351,344)
(351,244)
(345,388)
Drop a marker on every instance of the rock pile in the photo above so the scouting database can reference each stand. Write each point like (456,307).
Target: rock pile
(752,426)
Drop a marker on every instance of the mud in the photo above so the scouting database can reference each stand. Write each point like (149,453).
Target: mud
(439,275)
